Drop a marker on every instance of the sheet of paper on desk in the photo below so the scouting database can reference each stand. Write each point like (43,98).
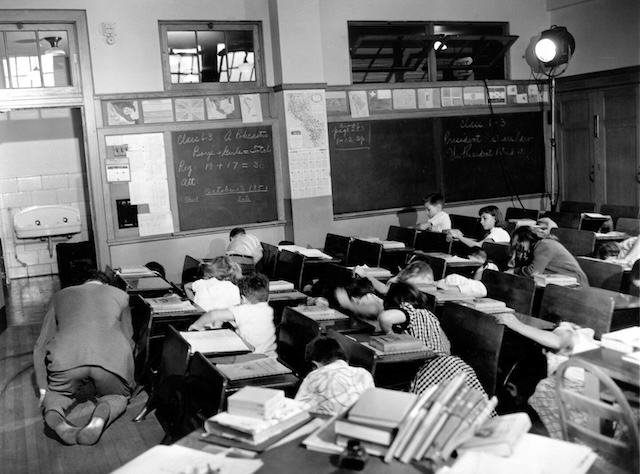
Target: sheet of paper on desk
(176,459)
(218,341)
(533,454)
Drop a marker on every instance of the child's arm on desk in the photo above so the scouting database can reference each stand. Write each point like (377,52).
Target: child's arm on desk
(213,318)
(367,309)
(380,287)
(390,317)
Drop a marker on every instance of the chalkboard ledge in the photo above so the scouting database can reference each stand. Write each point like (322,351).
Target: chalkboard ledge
(449,206)
(192,233)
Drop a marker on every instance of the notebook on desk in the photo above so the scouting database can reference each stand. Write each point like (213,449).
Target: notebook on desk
(216,342)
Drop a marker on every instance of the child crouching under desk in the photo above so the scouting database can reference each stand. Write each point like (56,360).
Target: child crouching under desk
(253,318)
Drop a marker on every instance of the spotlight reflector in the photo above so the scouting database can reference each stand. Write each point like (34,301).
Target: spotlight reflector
(555,46)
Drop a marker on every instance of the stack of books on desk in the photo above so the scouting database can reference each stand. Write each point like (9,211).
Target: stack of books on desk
(397,343)
(276,286)
(544,279)
(256,402)
(488,305)
(135,271)
(375,272)
(374,419)
(252,433)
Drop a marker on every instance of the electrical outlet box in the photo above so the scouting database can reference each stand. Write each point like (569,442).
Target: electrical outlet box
(109,29)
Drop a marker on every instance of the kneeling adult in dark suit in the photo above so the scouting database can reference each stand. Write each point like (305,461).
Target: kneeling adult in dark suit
(86,336)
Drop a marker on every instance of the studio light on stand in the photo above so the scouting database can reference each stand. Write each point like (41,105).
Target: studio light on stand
(554,49)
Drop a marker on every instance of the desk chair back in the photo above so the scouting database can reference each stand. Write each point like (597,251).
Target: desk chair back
(206,387)
(294,333)
(577,206)
(628,284)
(476,338)
(578,242)
(362,252)
(498,253)
(520,213)
(169,390)
(616,212)
(582,306)
(601,274)
(566,220)
(402,234)
(628,225)
(267,264)
(468,225)
(337,246)
(191,269)
(622,452)
(516,291)
(432,242)
(289,267)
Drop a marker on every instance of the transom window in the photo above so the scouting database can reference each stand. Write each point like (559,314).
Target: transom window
(37,56)
(428,51)
(208,55)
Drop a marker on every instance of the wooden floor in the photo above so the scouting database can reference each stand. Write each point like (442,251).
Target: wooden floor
(25,445)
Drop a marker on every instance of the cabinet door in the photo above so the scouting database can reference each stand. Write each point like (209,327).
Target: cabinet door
(618,146)
(575,147)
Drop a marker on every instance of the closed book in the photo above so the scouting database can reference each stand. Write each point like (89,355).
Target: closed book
(382,407)
(364,432)
(544,279)
(216,341)
(254,368)
(633,358)
(488,309)
(487,303)
(498,435)
(396,342)
(225,436)
(258,402)
(623,340)
(280,285)
(374,449)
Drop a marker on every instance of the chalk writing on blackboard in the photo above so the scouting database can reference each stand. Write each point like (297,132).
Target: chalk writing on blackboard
(224,176)
(475,137)
(351,136)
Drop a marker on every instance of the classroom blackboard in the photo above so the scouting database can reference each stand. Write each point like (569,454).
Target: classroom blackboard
(492,156)
(386,164)
(224,176)
(380,164)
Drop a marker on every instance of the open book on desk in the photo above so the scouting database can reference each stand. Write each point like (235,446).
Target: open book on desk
(264,367)
(171,304)
(216,341)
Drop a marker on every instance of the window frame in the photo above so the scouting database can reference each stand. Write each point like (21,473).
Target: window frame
(72,92)
(199,25)
(433,31)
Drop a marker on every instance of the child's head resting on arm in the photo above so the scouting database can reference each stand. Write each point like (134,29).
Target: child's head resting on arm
(254,288)
(394,318)
(322,351)
(223,268)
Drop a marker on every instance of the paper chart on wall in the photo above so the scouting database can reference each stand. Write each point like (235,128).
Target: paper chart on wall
(153,223)
(307,140)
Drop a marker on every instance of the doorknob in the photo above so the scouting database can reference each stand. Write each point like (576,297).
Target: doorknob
(592,174)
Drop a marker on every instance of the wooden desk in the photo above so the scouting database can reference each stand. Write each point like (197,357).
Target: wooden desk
(149,329)
(388,370)
(279,300)
(297,329)
(293,458)
(612,363)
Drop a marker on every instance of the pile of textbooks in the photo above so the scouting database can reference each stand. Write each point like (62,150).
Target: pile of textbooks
(257,417)
(397,343)
(406,426)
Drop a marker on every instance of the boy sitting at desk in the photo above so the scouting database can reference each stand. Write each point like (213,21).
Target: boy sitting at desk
(333,385)
(253,318)
(439,221)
